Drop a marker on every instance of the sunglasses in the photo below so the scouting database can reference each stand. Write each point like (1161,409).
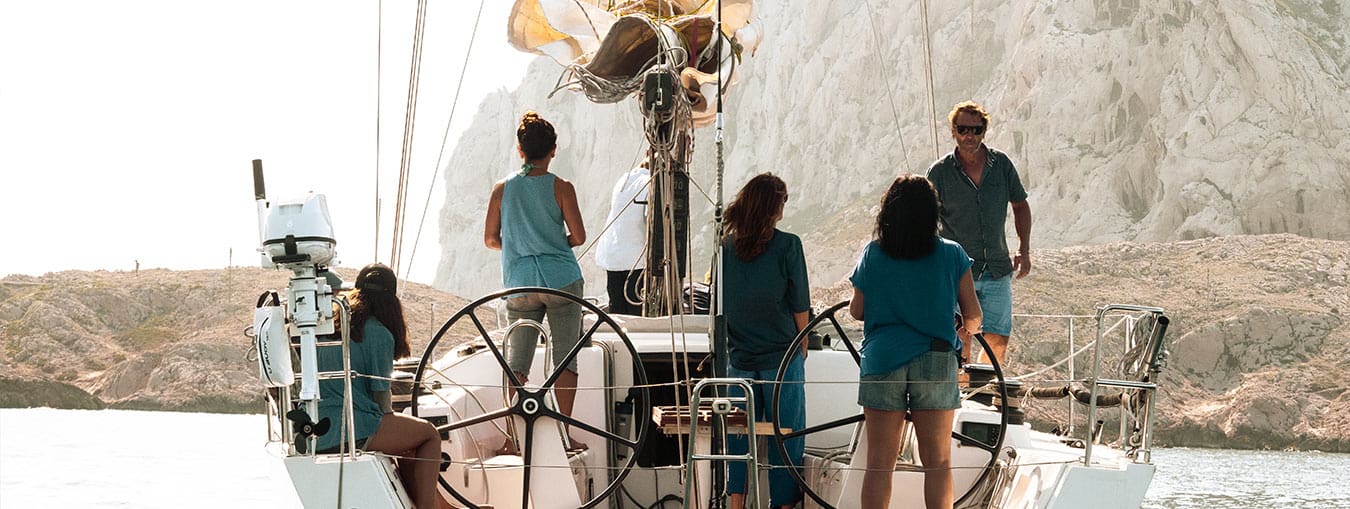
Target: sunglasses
(970,129)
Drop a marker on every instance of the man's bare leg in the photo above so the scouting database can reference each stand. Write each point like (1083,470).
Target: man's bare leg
(998,346)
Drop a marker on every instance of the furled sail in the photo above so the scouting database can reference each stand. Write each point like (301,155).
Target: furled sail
(607,46)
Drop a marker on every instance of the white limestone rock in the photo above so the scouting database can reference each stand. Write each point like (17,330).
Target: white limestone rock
(1128,120)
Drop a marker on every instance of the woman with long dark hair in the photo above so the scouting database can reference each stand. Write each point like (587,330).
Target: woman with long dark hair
(907,286)
(379,335)
(767,301)
(534,219)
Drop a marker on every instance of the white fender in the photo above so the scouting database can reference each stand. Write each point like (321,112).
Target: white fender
(272,342)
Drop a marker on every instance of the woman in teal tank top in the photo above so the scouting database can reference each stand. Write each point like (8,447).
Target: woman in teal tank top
(533,218)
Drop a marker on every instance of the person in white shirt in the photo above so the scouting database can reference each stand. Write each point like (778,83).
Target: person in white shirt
(620,251)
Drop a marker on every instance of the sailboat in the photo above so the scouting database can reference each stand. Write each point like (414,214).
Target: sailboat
(652,401)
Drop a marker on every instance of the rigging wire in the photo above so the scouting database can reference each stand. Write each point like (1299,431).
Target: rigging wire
(436,172)
(970,43)
(886,79)
(379,83)
(409,122)
(928,71)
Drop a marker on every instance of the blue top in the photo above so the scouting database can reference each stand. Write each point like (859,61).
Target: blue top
(760,297)
(975,216)
(534,240)
(373,355)
(907,303)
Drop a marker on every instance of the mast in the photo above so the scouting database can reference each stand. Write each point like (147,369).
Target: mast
(667,119)
(719,320)
(719,332)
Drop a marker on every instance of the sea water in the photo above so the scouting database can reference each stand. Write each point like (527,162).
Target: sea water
(125,458)
(122,458)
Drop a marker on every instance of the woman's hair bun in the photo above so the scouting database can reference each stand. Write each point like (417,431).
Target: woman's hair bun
(535,136)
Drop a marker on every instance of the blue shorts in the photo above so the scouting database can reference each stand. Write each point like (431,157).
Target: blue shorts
(995,296)
(926,383)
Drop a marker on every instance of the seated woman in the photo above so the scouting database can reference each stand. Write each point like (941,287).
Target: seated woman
(906,288)
(378,336)
(766,302)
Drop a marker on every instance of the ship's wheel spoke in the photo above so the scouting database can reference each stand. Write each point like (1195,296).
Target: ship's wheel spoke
(824,427)
(571,354)
(571,421)
(475,420)
(857,357)
(528,454)
(496,352)
(534,398)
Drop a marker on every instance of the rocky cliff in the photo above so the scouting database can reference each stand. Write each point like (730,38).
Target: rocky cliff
(1128,120)
(153,339)
(1258,339)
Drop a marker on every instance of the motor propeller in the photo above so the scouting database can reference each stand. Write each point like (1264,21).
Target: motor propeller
(306,427)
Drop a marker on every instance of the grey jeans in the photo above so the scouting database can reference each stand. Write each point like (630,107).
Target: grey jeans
(564,324)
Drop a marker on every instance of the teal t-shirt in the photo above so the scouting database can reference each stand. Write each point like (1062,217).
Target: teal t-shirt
(373,355)
(760,297)
(534,237)
(907,303)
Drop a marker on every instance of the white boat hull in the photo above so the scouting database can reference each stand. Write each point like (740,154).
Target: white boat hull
(334,481)
(1034,470)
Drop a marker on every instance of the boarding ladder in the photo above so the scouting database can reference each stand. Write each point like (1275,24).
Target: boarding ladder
(1148,386)
(721,406)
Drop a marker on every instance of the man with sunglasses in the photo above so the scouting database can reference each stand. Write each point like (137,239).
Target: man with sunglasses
(976,185)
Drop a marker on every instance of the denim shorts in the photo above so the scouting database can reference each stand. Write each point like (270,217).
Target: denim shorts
(995,296)
(926,383)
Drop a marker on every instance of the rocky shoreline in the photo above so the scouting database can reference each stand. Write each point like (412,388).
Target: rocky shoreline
(1258,337)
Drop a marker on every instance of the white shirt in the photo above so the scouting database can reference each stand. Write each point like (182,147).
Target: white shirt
(620,246)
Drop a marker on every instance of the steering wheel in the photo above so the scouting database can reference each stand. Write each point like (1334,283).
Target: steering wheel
(530,402)
(780,437)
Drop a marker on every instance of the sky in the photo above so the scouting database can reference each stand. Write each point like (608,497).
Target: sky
(127,129)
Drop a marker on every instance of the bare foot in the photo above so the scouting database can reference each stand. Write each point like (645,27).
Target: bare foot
(508,448)
(576,445)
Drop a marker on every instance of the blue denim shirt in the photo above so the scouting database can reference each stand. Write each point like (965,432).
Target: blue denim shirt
(975,216)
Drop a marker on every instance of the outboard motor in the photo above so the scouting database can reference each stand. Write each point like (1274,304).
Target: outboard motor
(299,237)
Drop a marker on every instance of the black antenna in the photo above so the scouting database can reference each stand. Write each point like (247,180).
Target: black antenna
(259,191)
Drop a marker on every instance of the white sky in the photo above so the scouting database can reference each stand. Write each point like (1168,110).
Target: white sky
(127,129)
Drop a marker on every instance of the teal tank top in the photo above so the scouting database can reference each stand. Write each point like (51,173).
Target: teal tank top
(534,239)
